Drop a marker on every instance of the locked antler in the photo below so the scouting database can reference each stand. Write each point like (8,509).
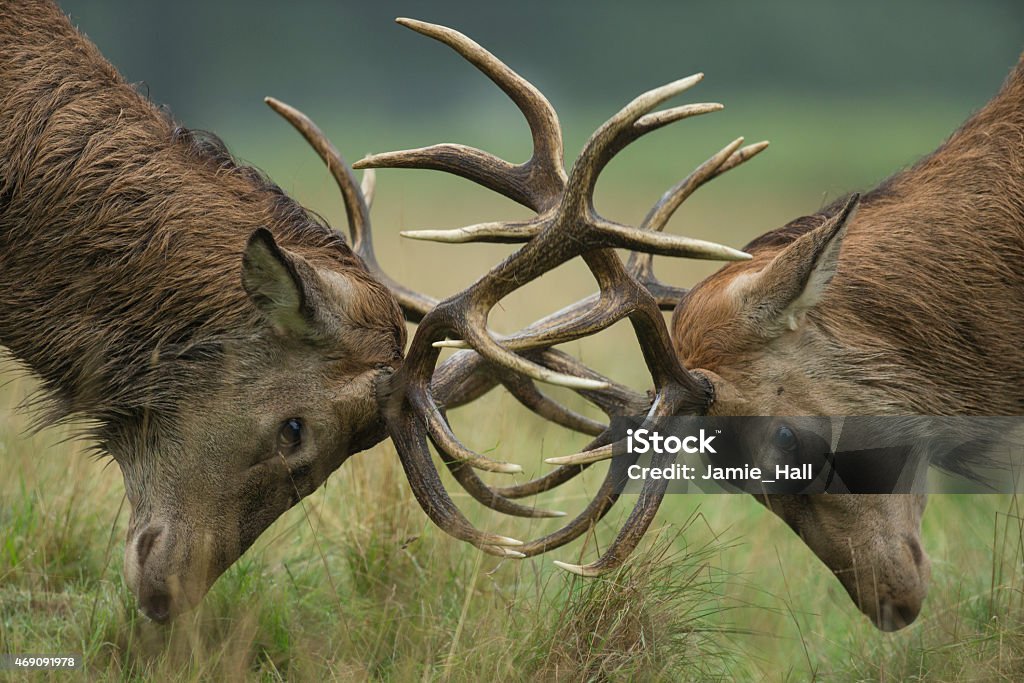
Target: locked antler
(566,226)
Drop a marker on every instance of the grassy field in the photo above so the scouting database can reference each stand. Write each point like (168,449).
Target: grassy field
(355,583)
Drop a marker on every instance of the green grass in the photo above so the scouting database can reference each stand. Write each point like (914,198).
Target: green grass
(356,584)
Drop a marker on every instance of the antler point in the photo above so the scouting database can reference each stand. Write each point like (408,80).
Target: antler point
(506,541)
(577,569)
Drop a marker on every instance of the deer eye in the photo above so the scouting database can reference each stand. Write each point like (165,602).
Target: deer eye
(784,439)
(289,436)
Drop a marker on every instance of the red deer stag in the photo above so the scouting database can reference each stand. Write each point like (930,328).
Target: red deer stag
(222,341)
(911,305)
(228,349)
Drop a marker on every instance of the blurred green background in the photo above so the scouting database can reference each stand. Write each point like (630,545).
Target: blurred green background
(213,61)
(847,92)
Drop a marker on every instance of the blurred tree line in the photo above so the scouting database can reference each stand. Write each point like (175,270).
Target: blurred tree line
(219,58)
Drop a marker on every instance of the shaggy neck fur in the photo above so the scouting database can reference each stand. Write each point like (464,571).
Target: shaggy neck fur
(121,234)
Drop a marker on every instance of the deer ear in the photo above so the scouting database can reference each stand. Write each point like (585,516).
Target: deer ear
(795,281)
(278,283)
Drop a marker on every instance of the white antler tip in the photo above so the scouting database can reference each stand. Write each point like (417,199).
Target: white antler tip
(505,540)
(573,382)
(423,27)
(448,236)
(573,568)
(280,107)
(595,455)
(451,344)
(691,81)
(725,253)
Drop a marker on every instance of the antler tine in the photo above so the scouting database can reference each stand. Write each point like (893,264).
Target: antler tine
(466,376)
(410,441)
(512,232)
(498,232)
(526,392)
(625,127)
(652,492)
(468,479)
(641,265)
(536,183)
(598,507)
(491,498)
(611,307)
(356,206)
(620,130)
(461,379)
(449,388)
(551,480)
(659,214)
(414,305)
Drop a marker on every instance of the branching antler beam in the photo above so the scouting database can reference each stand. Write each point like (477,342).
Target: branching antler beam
(414,399)
(566,226)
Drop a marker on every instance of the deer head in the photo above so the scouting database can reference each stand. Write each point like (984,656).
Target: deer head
(754,331)
(275,415)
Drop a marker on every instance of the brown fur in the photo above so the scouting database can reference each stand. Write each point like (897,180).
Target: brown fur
(924,314)
(122,237)
(121,234)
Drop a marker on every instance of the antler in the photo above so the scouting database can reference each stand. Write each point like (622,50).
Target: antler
(566,226)
(357,202)
(464,377)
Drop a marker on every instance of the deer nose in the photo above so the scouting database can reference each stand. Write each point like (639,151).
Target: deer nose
(154,598)
(156,604)
(893,615)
